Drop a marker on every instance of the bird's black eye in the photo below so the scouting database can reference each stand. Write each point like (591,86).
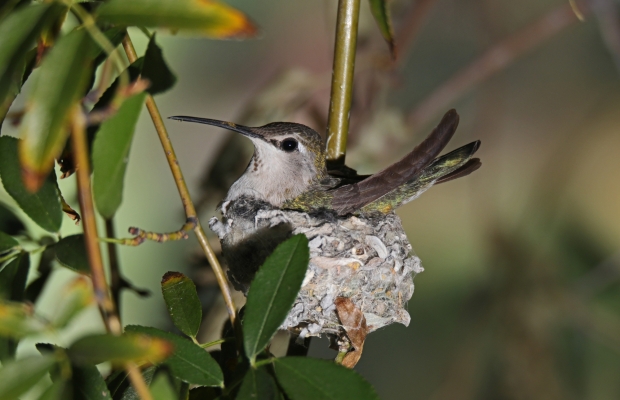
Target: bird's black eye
(289,145)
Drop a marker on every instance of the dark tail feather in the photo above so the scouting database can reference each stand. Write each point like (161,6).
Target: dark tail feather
(465,170)
(353,197)
(453,165)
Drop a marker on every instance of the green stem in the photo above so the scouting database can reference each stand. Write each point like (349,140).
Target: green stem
(216,342)
(263,362)
(9,256)
(188,205)
(342,81)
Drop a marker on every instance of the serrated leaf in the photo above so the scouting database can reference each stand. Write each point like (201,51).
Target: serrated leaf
(18,33)
(78,295)
(13,278)
(381,12)
(155,69)
(189,362)
(7,243)
(43,206)
(111,154)
(258,384)
(17,321)
(200,17)
(309,378)
(182,301)
(59,85)
(71,253)
(95,349)
(19,376)
(273,292)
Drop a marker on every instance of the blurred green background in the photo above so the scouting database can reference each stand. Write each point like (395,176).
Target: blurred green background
(520,298)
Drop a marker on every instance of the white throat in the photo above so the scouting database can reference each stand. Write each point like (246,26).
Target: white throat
(275,176)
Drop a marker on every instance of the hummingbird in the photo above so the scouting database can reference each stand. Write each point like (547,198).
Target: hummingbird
(289,170)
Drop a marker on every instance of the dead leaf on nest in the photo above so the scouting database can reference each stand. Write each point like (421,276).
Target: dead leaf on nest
(354,323)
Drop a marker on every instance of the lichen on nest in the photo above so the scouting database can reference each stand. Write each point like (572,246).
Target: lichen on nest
(366,259)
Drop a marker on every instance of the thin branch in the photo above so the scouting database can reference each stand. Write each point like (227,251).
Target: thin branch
(493,60)
(137,381)
(115,274)
(188,205)
(102,294)
(342,80)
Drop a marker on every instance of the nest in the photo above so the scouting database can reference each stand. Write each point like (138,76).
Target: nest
(366,259)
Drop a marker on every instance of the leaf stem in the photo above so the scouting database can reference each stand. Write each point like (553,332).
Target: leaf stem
(342,80)
(188,205)
(216,342)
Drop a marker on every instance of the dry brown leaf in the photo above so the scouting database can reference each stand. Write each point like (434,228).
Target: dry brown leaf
(354,323)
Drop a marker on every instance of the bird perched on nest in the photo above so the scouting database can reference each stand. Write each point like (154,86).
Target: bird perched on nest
(288,170)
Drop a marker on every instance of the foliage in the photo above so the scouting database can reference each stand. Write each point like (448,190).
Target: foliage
(63,103)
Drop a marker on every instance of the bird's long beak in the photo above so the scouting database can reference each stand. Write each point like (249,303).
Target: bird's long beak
(244,130)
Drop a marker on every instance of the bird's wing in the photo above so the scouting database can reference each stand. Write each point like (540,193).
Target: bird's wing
(450,166)
(349,198)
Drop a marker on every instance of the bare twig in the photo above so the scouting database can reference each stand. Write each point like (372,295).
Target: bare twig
(342,80)
(188,205)
(493,60)
(115,274)
(102,294)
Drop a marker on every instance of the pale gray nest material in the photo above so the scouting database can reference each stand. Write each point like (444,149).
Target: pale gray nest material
(368,260)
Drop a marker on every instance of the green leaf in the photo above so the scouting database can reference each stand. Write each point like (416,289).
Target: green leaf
(309,378)
(120,385)
(60,390)
(71,253)
(44,271)
(182,300)
(207,18)
(8,347)
(76,296)
(19,376)
(55,95)
(18,33)
(258,384)
(9,223)
(17,321)
(162,389)
(13,278)
(7,243)
(96,349)
(381,12)
(155,69)
(44,206)
(273,292)
(111,154)
(189,362)
(88,384)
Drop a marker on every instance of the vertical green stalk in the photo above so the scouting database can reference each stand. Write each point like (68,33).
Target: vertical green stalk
(342,80)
